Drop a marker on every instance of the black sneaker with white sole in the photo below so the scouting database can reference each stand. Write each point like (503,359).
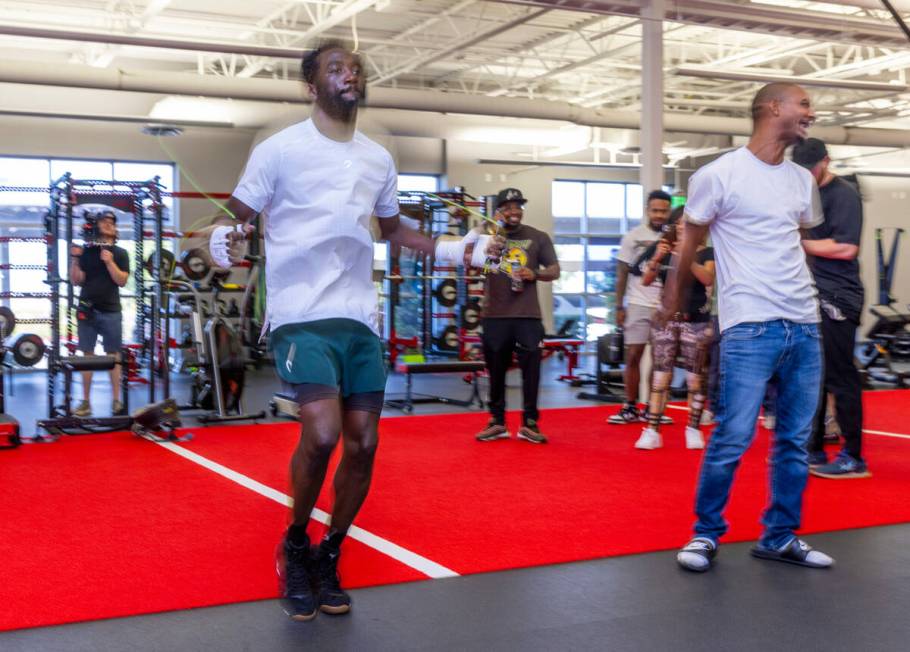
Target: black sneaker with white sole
(697,555)
(628,414)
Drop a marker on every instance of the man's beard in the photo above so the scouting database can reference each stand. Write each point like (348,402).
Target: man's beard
(337,107)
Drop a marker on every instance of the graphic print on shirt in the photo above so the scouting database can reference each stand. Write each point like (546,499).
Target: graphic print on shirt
(516,251)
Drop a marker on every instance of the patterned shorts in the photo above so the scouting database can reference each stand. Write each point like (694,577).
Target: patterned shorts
(685,339)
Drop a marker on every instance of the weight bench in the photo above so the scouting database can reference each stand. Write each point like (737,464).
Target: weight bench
(469,367)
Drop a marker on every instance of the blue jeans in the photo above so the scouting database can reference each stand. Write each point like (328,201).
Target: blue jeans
(751,355)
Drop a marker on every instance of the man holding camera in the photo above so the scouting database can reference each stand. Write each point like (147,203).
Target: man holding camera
(100,269)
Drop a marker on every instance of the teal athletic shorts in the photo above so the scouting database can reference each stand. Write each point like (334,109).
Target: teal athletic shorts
(323,358)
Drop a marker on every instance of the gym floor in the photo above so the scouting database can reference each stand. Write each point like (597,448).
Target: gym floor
(635,602)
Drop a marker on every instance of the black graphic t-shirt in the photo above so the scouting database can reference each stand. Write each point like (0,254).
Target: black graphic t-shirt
(99,288)
(530,248)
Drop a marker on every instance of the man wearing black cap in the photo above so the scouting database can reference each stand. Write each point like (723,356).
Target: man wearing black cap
(834,247)
(512,320)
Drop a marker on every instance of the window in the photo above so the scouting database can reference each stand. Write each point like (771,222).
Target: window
(22,215)
(418,183)
(589,220)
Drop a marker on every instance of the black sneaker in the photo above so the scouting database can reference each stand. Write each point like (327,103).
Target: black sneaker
(817,458)
(493,431)
(293,566)
(697,555)
(646,418)
(332,599)
(628,414)
(531,432)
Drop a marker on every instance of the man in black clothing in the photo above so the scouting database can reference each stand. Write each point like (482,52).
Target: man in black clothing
(834,247)
(100,268)
(512,321)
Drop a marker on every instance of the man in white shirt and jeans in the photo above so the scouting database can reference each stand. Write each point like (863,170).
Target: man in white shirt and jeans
(319,182)
(637,317)
(756,203)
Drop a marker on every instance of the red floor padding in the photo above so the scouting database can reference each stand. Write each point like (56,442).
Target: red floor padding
(110,525)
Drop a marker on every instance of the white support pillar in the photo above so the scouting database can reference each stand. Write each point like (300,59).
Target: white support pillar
(652,92)
(651,174)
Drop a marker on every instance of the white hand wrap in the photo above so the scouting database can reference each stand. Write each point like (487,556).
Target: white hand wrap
(219,245)
(451,252)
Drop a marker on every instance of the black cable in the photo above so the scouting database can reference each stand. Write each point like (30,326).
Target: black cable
(897,18)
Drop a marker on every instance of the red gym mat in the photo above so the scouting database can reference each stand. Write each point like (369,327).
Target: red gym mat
(109,525)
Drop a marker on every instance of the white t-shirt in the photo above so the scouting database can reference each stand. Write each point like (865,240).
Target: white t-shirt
(756,211)
(633,245)
(319,195)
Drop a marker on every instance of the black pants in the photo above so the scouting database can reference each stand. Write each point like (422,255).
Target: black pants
(501,338)
(842,379)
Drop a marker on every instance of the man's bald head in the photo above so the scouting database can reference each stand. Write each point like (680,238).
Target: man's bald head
(769,93)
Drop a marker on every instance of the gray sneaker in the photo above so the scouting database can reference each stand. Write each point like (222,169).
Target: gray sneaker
(492,432)
(530,432)
(84,409)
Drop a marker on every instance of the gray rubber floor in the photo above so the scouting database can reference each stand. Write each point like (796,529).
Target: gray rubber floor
(638,602)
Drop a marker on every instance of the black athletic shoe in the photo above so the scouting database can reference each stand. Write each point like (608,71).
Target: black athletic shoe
(293,566)
(331,598)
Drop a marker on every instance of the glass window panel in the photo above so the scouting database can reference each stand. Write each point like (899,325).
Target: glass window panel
(88,170)
(568,199)
(604,225)
(29,172)
(635,201)
(418,183)
(599,316)
(146,172)
(606,200)
(567,225)
(568,307)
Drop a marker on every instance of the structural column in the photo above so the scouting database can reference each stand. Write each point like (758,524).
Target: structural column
(652,87)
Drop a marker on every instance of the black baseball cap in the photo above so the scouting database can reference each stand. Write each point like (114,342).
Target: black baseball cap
(809,152)
(510,194)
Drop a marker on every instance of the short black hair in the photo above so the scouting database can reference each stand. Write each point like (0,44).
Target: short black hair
(310,63)
(658,194)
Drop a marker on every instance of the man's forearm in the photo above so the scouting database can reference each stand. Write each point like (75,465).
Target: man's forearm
(549,273)
(622,277)
(405,236)
(830,248)
(117,275)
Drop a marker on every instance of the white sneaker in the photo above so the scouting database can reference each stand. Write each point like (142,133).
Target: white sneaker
(649,440)
(694,438)
(707,418)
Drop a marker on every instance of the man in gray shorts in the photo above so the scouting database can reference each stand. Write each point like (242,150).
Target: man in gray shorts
(100,268)
(636,319)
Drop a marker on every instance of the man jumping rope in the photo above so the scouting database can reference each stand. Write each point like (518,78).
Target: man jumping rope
(319,181)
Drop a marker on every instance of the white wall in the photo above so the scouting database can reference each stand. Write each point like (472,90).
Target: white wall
(886,203)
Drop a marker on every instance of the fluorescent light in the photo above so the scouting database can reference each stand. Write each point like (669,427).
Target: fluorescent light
(191,108)
(741,75)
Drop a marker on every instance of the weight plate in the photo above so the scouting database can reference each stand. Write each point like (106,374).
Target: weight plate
(168,264)
(195,264)
(448,339)
(446,293)
(28,350)
(7,322)
(470,315)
